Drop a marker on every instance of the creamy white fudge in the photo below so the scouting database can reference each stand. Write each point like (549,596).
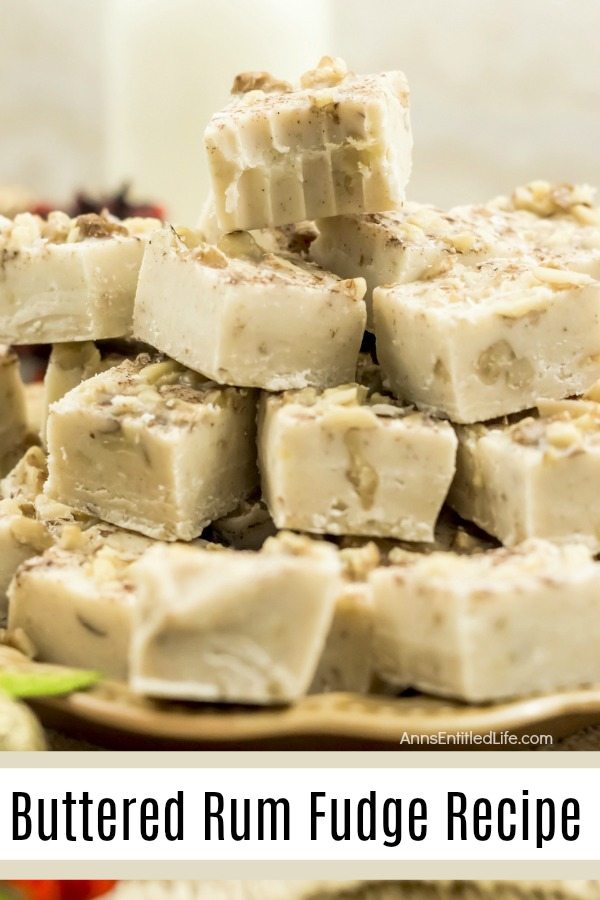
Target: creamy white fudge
(29,521)
(488,340)
(152,446)
(232,626)
(347,661)
(243,316)
(64,279)
(293,238)
(533,478)
(420,241)
(73,362)
(337,143)
(556,220)
(75,601)
(13,413)
(344,461)
(545,207)
(491,625)
(416,242)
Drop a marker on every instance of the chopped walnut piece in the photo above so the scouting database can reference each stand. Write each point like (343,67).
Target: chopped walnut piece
(545,199)
(92,225)
(561,278)
(241,244)
(357,562)
(259,81)
(529,432)
(562,434)
(329,72)
(211,256)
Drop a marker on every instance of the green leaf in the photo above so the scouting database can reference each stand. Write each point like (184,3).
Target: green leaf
(46,682)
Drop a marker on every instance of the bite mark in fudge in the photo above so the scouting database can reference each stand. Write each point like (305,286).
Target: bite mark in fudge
(337,143)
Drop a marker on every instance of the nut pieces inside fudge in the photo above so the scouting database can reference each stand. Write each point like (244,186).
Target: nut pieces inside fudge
(492,625)
(488,340)
(343,461)
(337,143)
(535,477)
(244,316)
(152,446)
(66,279)
(75,601)
(547,200)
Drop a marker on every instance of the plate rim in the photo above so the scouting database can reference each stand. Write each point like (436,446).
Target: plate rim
(339,715)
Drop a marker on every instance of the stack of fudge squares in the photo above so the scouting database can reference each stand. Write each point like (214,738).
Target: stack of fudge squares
(327,440)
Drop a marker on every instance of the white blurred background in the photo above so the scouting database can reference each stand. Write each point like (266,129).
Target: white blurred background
(95,92)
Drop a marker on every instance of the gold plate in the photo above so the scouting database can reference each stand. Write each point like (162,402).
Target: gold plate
(115,718)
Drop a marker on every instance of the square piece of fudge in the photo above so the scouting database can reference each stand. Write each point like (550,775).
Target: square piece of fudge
(75,601)
(13,413)
(337,143)
(246,316)
(488,340)
(538,477)
(232,626)
(420,241)
(344,461)
(69,279)
(493,625)
(416,242)
(559,220)
(154,447)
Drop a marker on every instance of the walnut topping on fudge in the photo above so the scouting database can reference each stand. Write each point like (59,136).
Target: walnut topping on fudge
(329,72)
(546,199)
(259,81)
(243,315)
(27,229)
(335,143)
